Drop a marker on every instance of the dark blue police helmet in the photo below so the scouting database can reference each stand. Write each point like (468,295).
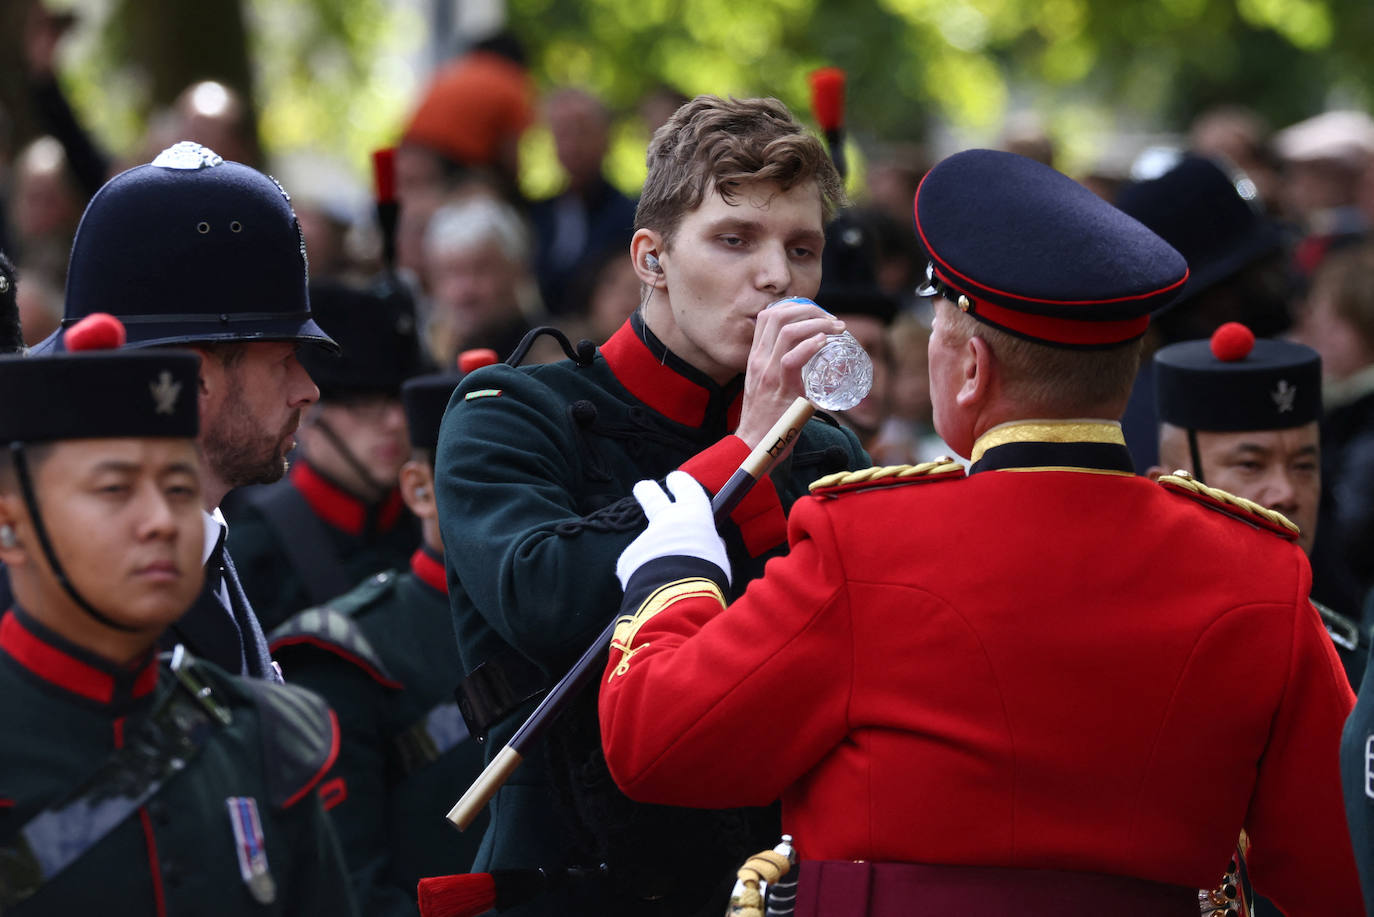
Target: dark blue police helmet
(192,249)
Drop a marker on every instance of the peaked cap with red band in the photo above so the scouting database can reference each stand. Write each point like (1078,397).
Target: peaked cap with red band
(1028,250)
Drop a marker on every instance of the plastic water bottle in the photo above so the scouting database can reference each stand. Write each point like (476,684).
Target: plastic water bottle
(840,375)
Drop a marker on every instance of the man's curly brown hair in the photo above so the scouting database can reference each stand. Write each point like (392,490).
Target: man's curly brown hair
(723,144)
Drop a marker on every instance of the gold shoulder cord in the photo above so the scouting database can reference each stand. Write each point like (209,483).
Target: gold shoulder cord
(940,465)
(1186,481)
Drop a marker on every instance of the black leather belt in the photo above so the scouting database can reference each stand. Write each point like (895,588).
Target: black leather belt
(496,688)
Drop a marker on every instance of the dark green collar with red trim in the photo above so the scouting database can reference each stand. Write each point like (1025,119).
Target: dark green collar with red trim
(341,509)
(428,568)
(667,383)
(1095,446)
(73,669)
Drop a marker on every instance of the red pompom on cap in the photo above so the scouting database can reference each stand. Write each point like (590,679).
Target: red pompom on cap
(478,357)
(97,331)
(1232,341)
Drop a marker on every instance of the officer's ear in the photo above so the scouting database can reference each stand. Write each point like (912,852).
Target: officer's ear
(1156,472)
(977,372)
(646,254)
(417,489)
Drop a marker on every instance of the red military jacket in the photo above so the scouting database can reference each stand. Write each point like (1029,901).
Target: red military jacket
(1048,664)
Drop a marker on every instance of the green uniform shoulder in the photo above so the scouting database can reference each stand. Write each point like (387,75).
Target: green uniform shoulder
(333,628)
(1247,511)
(836,485)
(300,737)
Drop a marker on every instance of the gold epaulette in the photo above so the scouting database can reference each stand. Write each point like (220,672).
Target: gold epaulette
(942,469)
(1240,508)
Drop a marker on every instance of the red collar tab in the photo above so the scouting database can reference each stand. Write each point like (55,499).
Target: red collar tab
(430,570)
(71,668)
(340,508)
(666,382)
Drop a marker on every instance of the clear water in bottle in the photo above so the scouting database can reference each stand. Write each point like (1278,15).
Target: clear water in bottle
(840,375)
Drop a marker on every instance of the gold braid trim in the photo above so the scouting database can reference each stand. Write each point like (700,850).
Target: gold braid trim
(627,626)
(1185,481)
(766,867)
(882,473)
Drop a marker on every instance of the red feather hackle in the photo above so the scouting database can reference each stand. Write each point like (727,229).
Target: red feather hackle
(827,97)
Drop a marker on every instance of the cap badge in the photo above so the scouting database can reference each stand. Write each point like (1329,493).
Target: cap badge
(165,393)
(189,156)
(4,284)
(1284,396)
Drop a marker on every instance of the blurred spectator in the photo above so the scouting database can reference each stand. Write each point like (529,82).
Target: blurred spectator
(213,115)
(477,271)
(1324,159)
(43,31)
(900,266)
(329,203)
(46,206)
(470,119)
(892,178)
(1235,134)
(590,215)
(39,302)
(1236,271)
(658,104)
(613,293)
(11,336)
(850,291)
(1338,322)
(1025,135)
(908,435)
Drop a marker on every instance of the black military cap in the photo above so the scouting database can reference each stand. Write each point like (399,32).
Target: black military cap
(426,399)
(379,347)
(1234,382)
(98,391)
(1211,216)
(1028,250)
(190,249)
(849,271)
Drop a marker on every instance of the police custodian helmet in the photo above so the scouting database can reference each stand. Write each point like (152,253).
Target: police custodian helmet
(191,248)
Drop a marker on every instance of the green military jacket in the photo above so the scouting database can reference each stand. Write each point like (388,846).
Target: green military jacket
(304,540)
(534,471)
(235,830)
(383,656)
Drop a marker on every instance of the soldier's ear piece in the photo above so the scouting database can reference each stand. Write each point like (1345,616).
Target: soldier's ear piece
(651,263)
(7,537)
(421,493)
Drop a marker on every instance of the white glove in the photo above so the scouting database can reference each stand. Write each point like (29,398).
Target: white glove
(682,526)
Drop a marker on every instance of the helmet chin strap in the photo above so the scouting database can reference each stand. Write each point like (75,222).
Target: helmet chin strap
(350,459)
(21,467)
(1196,455)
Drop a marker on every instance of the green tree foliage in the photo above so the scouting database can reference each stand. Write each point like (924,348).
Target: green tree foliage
(968,63)
(337,75)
